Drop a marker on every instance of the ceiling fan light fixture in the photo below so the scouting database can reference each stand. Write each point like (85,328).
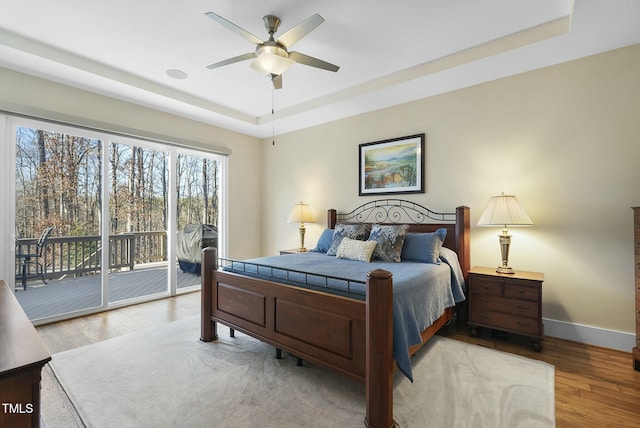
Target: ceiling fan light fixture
(268,63)
(271,57)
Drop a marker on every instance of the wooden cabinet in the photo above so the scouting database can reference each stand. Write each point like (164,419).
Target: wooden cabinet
(22,356)
(636,235)
(506,302)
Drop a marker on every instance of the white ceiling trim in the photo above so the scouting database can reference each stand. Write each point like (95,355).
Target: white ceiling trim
(516,40)
(388,55)
(52,53)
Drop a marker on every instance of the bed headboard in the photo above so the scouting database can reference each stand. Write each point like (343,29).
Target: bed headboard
(420,220)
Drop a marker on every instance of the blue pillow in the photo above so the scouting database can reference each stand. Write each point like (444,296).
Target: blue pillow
(424,247)
(324,242)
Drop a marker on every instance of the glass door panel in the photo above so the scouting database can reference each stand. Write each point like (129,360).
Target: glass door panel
(57,189)
(138,212)
(198,213)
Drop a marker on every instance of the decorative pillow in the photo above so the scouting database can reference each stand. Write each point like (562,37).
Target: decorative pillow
(390,239)
(353,231)
(424,247)
(353,249)
(324,242)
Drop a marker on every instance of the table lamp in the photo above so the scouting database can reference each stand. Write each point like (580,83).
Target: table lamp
(504,210)
(301,214)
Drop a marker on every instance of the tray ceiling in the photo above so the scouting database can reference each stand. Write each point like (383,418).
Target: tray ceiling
(388,53)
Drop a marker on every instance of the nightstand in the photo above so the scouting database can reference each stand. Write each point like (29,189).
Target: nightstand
(506,302)
(290,251)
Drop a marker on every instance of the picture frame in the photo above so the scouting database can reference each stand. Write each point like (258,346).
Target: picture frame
(393,166)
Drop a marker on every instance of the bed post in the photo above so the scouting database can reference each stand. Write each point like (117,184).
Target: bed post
(332,218)
(209,263)
(463,222)
(379,350)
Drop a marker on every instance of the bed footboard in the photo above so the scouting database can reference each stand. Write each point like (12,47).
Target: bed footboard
(330,331)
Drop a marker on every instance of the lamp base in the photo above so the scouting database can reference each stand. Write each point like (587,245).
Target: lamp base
(505,241)
(505,269)
(301,248)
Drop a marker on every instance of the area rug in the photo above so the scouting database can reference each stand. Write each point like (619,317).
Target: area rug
(166,377)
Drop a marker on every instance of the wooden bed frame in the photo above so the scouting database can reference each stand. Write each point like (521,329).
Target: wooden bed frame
(352,337)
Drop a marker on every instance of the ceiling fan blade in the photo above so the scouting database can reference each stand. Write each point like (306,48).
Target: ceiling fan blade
(238,58)
(299,31)
(233,27)
(312,62)
(277,80)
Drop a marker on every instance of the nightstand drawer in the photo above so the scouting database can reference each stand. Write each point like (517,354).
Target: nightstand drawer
(522,292)
(501,304)
(483,285)
(503,321)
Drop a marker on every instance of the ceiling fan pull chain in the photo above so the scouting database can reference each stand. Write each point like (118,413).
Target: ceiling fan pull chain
(273,116)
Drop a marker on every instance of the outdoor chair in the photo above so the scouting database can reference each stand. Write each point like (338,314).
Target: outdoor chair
(33,259)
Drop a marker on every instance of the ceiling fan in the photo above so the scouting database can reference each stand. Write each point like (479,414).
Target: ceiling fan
(272,57)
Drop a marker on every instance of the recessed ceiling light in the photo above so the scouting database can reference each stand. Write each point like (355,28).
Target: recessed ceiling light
(176,74)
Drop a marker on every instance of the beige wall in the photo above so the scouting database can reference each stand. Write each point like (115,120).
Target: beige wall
(22,93)
(564,139)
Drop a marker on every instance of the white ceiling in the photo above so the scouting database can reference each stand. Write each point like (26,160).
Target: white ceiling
(388,52)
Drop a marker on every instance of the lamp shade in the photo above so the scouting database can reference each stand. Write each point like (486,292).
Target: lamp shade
(504,210)
(300,214)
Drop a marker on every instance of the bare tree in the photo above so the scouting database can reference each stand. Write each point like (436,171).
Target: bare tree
(59,183)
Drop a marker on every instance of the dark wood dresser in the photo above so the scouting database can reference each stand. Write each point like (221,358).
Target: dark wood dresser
(636,240)
(22,356)
(506,302)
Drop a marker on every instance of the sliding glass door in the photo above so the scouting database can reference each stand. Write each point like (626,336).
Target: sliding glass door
(197,212)
(116,231)
(138,215)
(58,178)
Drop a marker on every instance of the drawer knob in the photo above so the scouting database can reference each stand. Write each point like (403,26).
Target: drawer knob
(485,315)
(523,323)
(520,291)
(523,306)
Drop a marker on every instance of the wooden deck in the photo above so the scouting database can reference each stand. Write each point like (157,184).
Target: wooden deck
(64,296)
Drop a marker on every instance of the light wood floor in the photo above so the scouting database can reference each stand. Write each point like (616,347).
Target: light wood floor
(595,387)
(73,333)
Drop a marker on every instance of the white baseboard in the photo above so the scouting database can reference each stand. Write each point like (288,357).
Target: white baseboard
(590,335)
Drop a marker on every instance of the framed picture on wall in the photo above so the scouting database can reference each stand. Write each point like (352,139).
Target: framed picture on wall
(392,166)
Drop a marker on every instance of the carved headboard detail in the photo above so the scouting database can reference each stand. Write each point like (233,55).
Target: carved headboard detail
(419,218)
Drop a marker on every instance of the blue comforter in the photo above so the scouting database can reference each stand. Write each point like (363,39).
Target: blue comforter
(421,291)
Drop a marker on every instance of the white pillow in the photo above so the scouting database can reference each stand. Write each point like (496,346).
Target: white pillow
(352,249)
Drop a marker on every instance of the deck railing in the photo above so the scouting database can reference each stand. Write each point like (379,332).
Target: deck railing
(72,256)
